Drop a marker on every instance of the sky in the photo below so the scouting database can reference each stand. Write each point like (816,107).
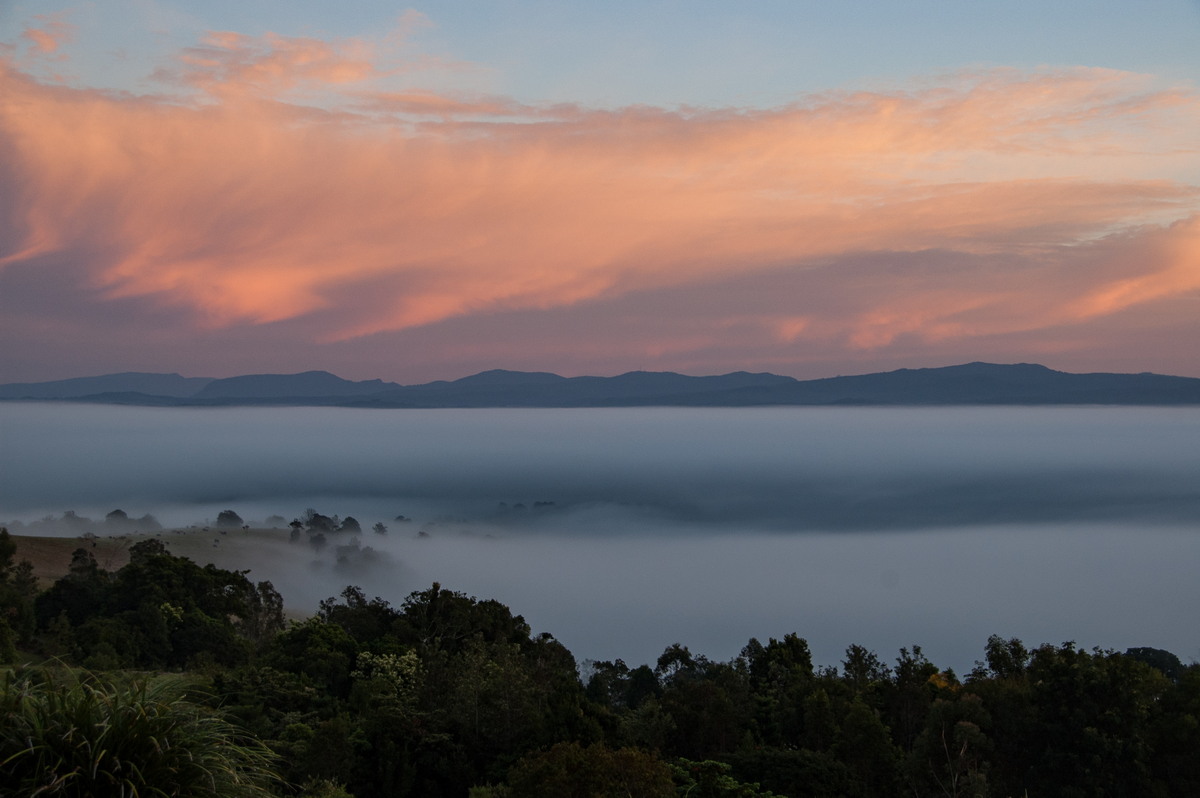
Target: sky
(422,193)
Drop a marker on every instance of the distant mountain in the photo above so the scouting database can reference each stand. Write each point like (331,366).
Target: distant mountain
(169,385)
(539,389)
(978,383)
(969,384)
(307,385)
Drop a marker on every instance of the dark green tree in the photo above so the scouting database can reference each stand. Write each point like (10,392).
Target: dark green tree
(865,746)
(950,757)
(569,770)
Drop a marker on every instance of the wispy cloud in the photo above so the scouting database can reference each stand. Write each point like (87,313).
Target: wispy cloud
(388,206)
(49,32)
(229,65)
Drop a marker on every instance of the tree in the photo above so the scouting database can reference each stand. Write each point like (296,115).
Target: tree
(350,524)
(608,683)
(263,616)
(820,722)
(365,621)
(229,519)
(950,756)
(1175,735)
(675,663)
(379,528)
(862,669)
(16,599)
(866,747)
(1006,659)
(569,770)
(781,675)
(712,779)
(1164,662)
(1092,717)
(77,595)
(8,548)
(447,620)
(322,651)
(910,695)
(321,523)
(144,549)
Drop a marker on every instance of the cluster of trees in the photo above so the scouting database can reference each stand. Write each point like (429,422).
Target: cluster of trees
(117,522)
(318,525)
(158,611)
(447,694)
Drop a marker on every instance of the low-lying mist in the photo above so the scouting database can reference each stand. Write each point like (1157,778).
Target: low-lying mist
(622,531)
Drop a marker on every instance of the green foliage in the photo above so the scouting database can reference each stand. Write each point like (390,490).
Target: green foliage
(324,788)
(862,670)
(569,770)
(8,548)
(1092,713)
(950,757)
(865,745)
(1174,735)
(69,735)
(18,587)
(711,779)
(780,676)
(319,650)
(8,642)
(448,694)
(447,620)
(1164,662)
(794,772)
(158,611)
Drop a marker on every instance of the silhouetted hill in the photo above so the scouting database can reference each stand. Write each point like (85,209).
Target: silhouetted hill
(977,383)
(969,384)
(539,389)
(171,385)
(306,385)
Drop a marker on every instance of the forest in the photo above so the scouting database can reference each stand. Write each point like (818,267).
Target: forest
(164,677)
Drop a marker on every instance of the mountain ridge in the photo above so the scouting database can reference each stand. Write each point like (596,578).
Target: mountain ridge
(972,383)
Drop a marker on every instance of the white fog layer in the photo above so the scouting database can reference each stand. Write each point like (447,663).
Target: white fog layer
(622,531)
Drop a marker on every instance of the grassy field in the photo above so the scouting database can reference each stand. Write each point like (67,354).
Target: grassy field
(51,556)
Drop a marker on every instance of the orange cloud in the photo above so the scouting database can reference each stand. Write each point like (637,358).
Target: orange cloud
(273,63)
(402,208)
(53,31)
(229,65)
(1171,267)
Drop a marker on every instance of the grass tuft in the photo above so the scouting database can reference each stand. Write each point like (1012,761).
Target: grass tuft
(70,734)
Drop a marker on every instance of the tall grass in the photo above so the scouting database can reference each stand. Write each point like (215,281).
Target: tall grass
(66,734)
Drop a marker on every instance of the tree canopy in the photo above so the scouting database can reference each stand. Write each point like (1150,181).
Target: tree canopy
(449,694)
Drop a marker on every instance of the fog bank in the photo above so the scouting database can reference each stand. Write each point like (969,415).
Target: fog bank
(622,531)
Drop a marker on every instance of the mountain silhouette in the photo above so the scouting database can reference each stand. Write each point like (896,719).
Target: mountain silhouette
(967,384)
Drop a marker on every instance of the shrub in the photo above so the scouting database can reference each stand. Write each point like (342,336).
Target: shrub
(65,734)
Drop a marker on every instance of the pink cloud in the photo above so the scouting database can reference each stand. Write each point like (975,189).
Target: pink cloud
(273,63)
(1171,267)
(229,65)
(52,32)
(404,208)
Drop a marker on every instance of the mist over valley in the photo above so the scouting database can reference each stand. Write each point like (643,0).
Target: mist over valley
(621,531)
